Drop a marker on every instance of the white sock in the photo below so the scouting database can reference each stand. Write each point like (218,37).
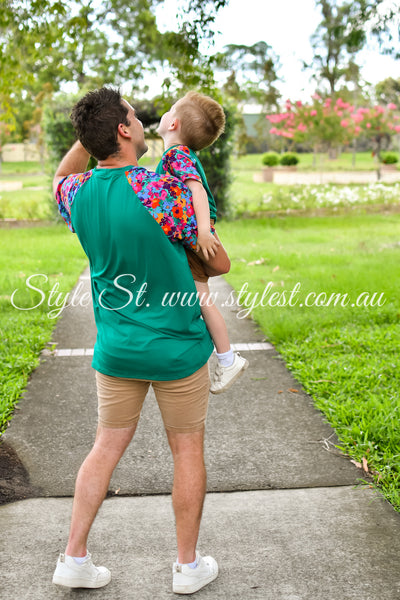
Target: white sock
(192,565)
(226,359)
(79,559)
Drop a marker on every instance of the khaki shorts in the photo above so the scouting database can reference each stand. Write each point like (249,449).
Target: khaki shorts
(183,402)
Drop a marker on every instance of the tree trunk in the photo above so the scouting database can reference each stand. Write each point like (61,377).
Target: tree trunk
(332,153)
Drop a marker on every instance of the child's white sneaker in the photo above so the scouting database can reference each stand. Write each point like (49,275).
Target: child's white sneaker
(187,581)
(224,377)
(71,574)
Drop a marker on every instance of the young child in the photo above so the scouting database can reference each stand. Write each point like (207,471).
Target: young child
(193,123)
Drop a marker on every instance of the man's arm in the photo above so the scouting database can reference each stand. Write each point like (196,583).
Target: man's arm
(75,161)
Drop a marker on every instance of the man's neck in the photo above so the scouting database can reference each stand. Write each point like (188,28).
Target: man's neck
(119,160)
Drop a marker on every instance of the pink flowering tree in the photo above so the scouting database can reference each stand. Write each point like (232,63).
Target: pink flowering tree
(323,124)
(378,124)
(327,124)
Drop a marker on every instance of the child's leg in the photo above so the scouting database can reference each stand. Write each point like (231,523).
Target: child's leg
(230,364)
(213,319)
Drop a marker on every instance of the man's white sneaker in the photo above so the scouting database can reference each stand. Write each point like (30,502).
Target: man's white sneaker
(86,575)
(224,377)
(187,580)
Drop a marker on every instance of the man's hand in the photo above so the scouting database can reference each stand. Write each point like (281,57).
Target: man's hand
(207,244)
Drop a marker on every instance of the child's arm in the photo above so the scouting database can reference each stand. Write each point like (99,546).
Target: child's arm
(206,241)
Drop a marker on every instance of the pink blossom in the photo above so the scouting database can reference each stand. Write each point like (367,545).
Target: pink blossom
(391,106)
(397,128)
(357,117)
(328,102)
(277,118)
(313,113)
(302,127)
(357,129)
(340,113)
(299,103)
(274,131)
(368,125)
(316,97)
(344,122)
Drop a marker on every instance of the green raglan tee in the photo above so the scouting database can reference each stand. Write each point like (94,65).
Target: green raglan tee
(147,313)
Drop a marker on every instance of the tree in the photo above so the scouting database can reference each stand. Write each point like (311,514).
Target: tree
(382,19)
(251,77)
(388,91)
(335,44)
(252,73)
(92,43)
(322,124)
(326,123)
(26,38)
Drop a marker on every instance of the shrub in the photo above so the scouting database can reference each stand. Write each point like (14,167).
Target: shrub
(270,159)
(389,158)
(59,137)
(216,162)
(289,159)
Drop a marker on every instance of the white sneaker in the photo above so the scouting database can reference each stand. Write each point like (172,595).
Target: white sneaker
(187,581)
(224,377)
(70,574)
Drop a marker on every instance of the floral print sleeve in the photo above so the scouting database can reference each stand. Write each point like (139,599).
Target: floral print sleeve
(168,201)
(178,163)
(66,193)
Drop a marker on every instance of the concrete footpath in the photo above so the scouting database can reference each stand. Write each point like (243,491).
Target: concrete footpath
(284,515)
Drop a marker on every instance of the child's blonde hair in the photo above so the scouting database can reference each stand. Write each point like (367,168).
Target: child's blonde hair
(202,120)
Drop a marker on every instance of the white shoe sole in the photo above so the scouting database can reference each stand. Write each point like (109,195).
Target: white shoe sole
(79,583)
(191,588)
(232,381)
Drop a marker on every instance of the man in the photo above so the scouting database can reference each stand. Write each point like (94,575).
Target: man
(121,214)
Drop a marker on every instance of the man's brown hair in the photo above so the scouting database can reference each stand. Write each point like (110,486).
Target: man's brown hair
(202,120)
(96,118)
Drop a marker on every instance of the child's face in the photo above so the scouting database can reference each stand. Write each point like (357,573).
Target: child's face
(167,119)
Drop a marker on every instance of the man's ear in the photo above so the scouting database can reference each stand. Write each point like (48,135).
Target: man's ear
(123,131)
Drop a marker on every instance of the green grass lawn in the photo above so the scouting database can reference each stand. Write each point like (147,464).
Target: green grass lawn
(26,204)
(20,168)
(54,252)
(364,162)
(346,357)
